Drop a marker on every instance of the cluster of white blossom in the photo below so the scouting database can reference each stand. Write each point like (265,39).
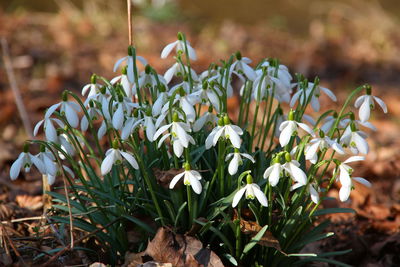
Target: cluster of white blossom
(170,115)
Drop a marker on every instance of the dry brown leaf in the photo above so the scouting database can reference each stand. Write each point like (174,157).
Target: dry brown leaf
(29,202)
(252,228)
(164,177)
(178,250)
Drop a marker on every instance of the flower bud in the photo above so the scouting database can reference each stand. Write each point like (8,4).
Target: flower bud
(42,148)
(291,115)
(115,144)
(288,158)
(205,85)
(124,70)
(249,179)
(210,109)
(227,121)
(186,166)
(221,122)
(147,69)
(368,89)
(93,79)
(180,36)
(353,127)
(175,117)
(64,96)
(238,55)
(26,147)
(276,159)
(352,117)
(321,133)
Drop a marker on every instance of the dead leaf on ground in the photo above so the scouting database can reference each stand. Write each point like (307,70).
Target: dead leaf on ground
(29,202)
(178,250)
(164,177)
(252,228)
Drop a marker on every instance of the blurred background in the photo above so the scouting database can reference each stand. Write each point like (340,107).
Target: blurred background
(57,44)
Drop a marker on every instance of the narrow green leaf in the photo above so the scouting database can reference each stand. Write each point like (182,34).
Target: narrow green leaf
(333,210)
(254,240)
(139,223)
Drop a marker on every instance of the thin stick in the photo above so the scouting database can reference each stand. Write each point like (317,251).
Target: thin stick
(15,89)
(130,33)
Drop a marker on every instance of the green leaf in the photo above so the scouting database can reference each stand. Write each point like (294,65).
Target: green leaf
(180,211)
(333,210)
(318,259)
(254,240)
(231,259)
(219,234)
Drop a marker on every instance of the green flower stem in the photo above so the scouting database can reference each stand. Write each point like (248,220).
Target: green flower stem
(188,64)
(149,184)
(242,103)
(238,233)
(270,99)
(190,204)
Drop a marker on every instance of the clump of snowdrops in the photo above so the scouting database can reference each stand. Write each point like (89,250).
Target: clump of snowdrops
(166,148)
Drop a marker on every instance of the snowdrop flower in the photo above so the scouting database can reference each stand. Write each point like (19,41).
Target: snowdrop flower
(124,81)
(186,103)
(47,158)
(66,146)
(236,160)
(355,140)
(93,87)
(241,66)
(366,103)
(206,94)
(94,114)
(207,118)
(227,130)
(68,109)
(345,123)
(129,62)
(149,127)
(114,156)
(177,69)
(179,133)
(162,98)
(252,191)
(131,123)
(292,168)
(179,45)
(190,178)
(124,106)
(345,172)
(289,127)
(274,172)
(48,127)
(24,161)
(148,79)
(299,95)
(328,123)
(323,142)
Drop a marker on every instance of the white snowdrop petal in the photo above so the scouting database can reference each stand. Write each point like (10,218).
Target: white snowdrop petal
(176,179)
(275,174)
(130,159)
(162,139)
(314,194)
(381,104)
(37,126)
(178,148)
(306,128)
(285,135)
(194,183)
(234,137)
(362,181)
(361,144)
(16,167)
(359,101)
(234,164)
(260,196)
(50,166)
(238,196)
(50,131)
(150,129)
(182,135)
(118,117)
(119,61)
(107,163)
(364,112)
(191,52)
(248,157)
(51,110)
(344,193)
(167,50)
(50,179)
(38,163)
(329,93)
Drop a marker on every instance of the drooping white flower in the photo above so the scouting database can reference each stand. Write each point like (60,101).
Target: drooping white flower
(190,178)
(252,191)
(241,66)
(94,114)
(51,178)
(289,127)
(236,160)
(323,142)
(207,95)
(355,140)
(207,118)
(274,172)
(345,172)
(115,156)
(125,83)
(292,168)
(131,123)
(123,106)
(68,109)
(93,87)
(130,64)
(303,94)
(311,189)
(179,45)
(179,135)
(24,161)
(366,103)
(48,160)
(227,130)
(49,128)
